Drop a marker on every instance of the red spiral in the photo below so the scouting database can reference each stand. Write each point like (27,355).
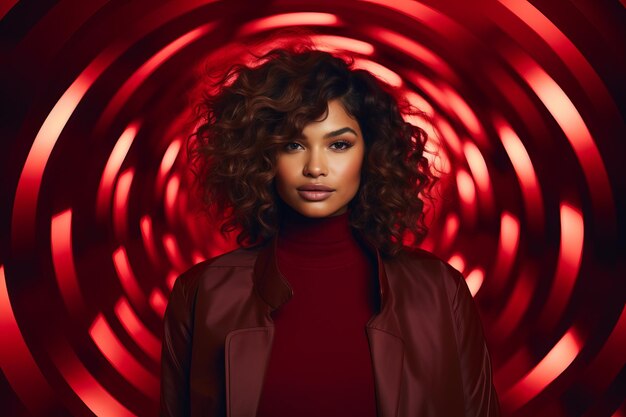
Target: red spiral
(526,115)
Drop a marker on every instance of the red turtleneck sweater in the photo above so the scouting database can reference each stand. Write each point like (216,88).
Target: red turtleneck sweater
(320,363)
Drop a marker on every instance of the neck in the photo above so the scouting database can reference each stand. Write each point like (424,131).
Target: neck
(297,227)
(316,241)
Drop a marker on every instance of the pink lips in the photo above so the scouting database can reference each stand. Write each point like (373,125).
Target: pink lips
(315,192)
(317,195)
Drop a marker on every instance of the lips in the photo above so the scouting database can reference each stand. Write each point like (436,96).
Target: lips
(315,192)
(315,187)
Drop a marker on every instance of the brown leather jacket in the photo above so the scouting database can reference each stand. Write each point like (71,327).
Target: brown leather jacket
(428,350)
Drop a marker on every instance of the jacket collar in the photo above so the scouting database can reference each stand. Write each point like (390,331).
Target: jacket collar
(274,288)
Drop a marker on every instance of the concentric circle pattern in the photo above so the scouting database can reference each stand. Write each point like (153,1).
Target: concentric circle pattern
(524,113)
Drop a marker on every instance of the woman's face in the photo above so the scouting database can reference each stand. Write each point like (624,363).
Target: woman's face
(329,153)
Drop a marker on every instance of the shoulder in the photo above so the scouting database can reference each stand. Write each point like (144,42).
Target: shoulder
(206,271)
(418,257)
(420,266)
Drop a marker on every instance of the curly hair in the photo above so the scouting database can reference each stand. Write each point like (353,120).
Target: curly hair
(253,110)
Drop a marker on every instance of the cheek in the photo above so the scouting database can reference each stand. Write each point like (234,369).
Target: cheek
(284,173)
(351,171)
(356,166)
(281,171)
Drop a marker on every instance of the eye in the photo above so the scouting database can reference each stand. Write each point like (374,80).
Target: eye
(345,145)
(289,148)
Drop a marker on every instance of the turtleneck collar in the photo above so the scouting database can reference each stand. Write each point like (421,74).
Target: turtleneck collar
(296,227)
(317,242)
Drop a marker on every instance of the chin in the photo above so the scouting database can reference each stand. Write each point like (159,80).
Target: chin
(315,211)
(312,212)
(326,212)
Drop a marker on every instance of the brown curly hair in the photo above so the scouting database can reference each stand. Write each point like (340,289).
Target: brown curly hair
(253,110)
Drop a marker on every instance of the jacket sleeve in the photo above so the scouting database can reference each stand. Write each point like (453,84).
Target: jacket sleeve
(176,352)
(481,399)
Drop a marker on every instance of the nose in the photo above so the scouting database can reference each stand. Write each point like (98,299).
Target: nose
(315,165)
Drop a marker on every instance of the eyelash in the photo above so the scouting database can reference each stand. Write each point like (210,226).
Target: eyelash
(348,145)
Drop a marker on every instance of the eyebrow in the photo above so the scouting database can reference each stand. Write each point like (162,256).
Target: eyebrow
(336,132)
(339,132)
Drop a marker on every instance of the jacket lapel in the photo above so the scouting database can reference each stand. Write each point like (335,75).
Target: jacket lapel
(386,348)
(247,350)
(247,355)
(387,353)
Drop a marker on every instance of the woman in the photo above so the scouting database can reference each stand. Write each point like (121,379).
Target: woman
(323,311)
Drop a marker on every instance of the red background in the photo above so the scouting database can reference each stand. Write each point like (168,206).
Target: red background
(527,120)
